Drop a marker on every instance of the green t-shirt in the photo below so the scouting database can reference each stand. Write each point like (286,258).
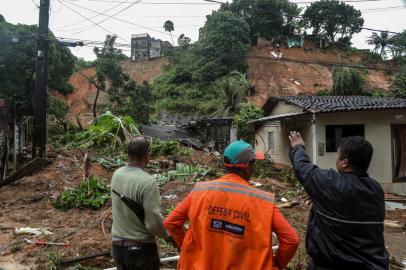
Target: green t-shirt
(136,184)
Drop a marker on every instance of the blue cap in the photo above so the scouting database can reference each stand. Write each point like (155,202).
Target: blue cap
(239,153)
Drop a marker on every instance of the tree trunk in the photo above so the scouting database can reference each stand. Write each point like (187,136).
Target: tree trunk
(172,39)
(95,102)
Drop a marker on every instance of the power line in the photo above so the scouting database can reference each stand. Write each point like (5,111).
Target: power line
(69,25)
(121,20)
(78,13)
(151,3)
(106,19)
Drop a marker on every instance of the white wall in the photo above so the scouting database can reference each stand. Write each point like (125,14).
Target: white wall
(377,132)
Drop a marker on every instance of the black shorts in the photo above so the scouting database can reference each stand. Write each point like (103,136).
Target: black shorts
(137,257)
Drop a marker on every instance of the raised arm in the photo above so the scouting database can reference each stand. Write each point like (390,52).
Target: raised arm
(314,180)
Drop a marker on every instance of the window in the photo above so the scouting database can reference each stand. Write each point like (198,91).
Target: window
(271,142)
(335,133)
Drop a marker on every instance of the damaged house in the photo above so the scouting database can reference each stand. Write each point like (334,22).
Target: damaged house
(324,120)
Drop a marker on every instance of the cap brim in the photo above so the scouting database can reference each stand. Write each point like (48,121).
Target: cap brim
(259,155)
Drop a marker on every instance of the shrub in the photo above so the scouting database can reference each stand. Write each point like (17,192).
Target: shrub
(288,176)
(92,193)
(247,113)
(398,87)
(166,148)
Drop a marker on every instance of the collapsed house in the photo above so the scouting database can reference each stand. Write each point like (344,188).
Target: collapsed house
(324,120)
(13,139)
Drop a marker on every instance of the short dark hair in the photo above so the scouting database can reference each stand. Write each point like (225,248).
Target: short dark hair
(358,151)
(138,147)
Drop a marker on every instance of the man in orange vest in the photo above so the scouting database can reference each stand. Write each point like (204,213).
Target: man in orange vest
(231,223)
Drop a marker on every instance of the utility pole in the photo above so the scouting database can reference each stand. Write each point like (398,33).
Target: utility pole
(41,75)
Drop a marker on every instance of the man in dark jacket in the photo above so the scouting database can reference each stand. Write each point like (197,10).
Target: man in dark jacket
(345,229)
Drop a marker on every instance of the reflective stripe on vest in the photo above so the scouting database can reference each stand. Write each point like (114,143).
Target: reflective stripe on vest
(236,188)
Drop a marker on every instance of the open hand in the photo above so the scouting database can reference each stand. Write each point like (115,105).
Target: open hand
(295,139)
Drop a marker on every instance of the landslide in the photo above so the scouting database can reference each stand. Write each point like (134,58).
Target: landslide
(299,71)
(304,70)
(80,101)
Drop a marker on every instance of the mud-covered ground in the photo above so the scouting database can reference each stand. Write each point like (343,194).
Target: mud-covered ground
(28,203)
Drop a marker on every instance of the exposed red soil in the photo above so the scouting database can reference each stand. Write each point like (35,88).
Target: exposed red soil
(294,75)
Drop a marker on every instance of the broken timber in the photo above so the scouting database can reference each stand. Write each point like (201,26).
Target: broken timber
(29,168)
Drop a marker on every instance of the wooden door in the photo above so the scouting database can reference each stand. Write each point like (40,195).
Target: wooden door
(399,153)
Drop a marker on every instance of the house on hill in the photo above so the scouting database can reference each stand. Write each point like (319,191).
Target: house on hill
(324,120)
(145,47)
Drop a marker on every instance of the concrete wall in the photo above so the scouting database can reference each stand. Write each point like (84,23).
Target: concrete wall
(284,108)
(377,132)
(280,154)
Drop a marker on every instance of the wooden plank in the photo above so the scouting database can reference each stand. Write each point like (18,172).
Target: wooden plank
(28,169)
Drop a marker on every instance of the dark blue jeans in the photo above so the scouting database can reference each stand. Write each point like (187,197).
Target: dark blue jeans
(143,257)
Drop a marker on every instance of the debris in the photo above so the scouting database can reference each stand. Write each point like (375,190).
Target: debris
(29,168)
(43,243)
(394,205)
(394,225)
(170,197)
(81,258)
(34,231)
(284,200)
(86,167)
(288,205)
(255,184)
(107,130)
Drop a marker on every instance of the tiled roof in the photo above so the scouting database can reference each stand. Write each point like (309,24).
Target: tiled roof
(320,104)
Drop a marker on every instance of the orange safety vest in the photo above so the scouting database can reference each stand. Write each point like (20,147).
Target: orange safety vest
(230,227)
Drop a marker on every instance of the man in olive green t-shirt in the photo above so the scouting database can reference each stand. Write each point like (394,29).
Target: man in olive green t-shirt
(134,240)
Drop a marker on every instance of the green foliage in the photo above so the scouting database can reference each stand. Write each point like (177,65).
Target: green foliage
(169,27)
(398,45)
(57,108)
(371,57)
(18,60)
(398,87)
(223,46)
(166,148)
(268,18)
(190,84)
(134,100)
(331,18)
(380,42)
(288,176)
(233,89)
(347,81)
(108,130)
(324,92)
(184,41)
(92,194)
(54,261)
(245,131)
(109,72)
(263,168)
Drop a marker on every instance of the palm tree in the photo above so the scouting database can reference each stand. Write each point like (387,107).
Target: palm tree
(233,89)
(381,42)
(169,27)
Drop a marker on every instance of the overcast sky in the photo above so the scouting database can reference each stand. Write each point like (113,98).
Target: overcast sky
(149,15)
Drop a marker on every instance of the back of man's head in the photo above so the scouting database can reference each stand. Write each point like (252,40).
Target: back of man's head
(357,151)
(137,148)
